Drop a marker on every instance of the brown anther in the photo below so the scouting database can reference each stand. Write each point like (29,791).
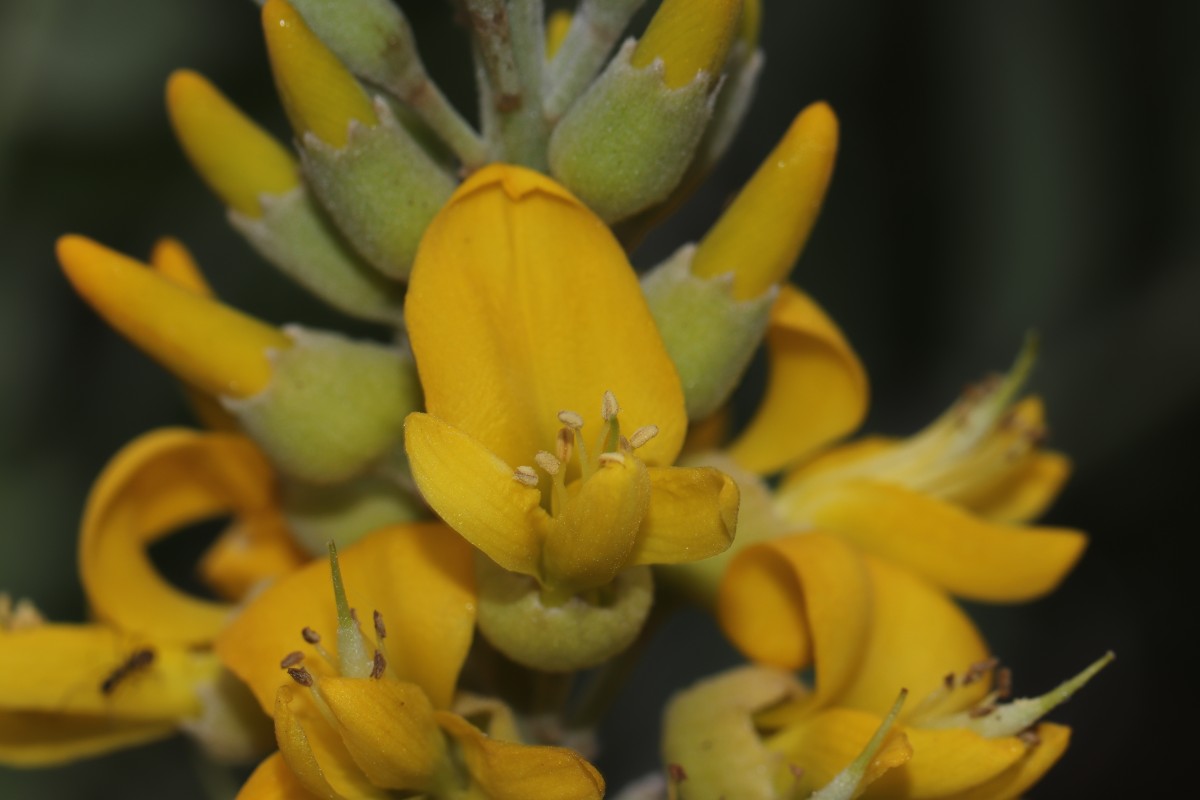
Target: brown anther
(310,636)
(1003,683)
(677,773)
(564,444)
(609,408)
(643,435)
(301,676)
(796,770)
(1030,737)
(526,476)
(571,419)
(378,665)
(980,711)
(380,630)
(978,670)
(354,615)
(291,659)
(949,680)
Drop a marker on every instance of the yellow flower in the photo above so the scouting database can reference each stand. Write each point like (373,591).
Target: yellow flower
(524,315)
(144,669)
(358,714)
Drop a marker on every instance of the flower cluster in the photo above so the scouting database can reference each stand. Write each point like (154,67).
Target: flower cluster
(435,534)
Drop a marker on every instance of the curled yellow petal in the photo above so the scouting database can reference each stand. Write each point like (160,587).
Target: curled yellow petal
(313,751)
(503,770)
(204,343)
(760,235)
(319,94)
(249,553)
(274,780)
(966,556)
(945,762)
(1050,743)
(816,387)
(548,316)
(692,516)
(1024,493)
(690,36)
(158,483)
(419,577)
(475,493)
(389,729)
(236,158)
(818,747)
(804,599)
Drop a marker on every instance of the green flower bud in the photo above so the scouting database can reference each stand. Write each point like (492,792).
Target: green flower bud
(334,407)
(381,189)
(579,633)
(710,335)
(625,144)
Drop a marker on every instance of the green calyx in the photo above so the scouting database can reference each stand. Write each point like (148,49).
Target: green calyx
(709,335)
(294,235)
(346,512)
(625,144)
(382,189)
(334,408)
(572,635)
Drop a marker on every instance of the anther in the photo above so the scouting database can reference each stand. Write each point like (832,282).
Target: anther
(643,435)
(310,636)
(979,669)
(548,462)
(611,458)
(354,615)
(677,773)
(609,407)
(980,711)
(1030,737)
(571,419)
(1003,683)
(378,665)
(564,444)
(526,476)
(380,630)
(301,676)
(949,680)
(291,659)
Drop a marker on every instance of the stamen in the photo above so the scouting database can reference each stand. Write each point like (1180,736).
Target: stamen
(609,407)
(291,659)
(1030,737)
(380,630)
(643,435)
(1003,683)
(526,476)
(378,665)
(978,670)
(611,458)
(548,462)
(980,711)
(310,636)
(571,419)
(301,676)
(677,773)
(564,445)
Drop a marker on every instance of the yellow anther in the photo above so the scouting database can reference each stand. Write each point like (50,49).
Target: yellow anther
(547,462)
(526,475)
(209,345)
(172,260)
(236,158)
(609,407)
(557,26)
(571,420)
(761,234)
(690,36)
(607,459)
(643,435)
(319,94)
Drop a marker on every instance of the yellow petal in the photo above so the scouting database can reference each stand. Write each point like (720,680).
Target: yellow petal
(474,491)
(318,92)
(804,599)
(692,516)
(37,739)
(314,752)
(690,36)
(388,727)
(557,25)
(511,771)
(591,540)
(816,387)
(273,780)
(157,484)
(918,636)
(172,260)
(420,577)
(236,158)
(1021,776)
(250,552)
(821,745)
(946,762)
(548,315)
(1023,494)
(204,343)
(968,557)
(760,235)
(86,669)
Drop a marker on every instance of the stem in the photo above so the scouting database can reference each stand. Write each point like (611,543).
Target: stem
(426,99)
(524,130)
(594,30)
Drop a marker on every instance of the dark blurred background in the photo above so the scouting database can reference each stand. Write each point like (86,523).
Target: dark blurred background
(1004,166)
